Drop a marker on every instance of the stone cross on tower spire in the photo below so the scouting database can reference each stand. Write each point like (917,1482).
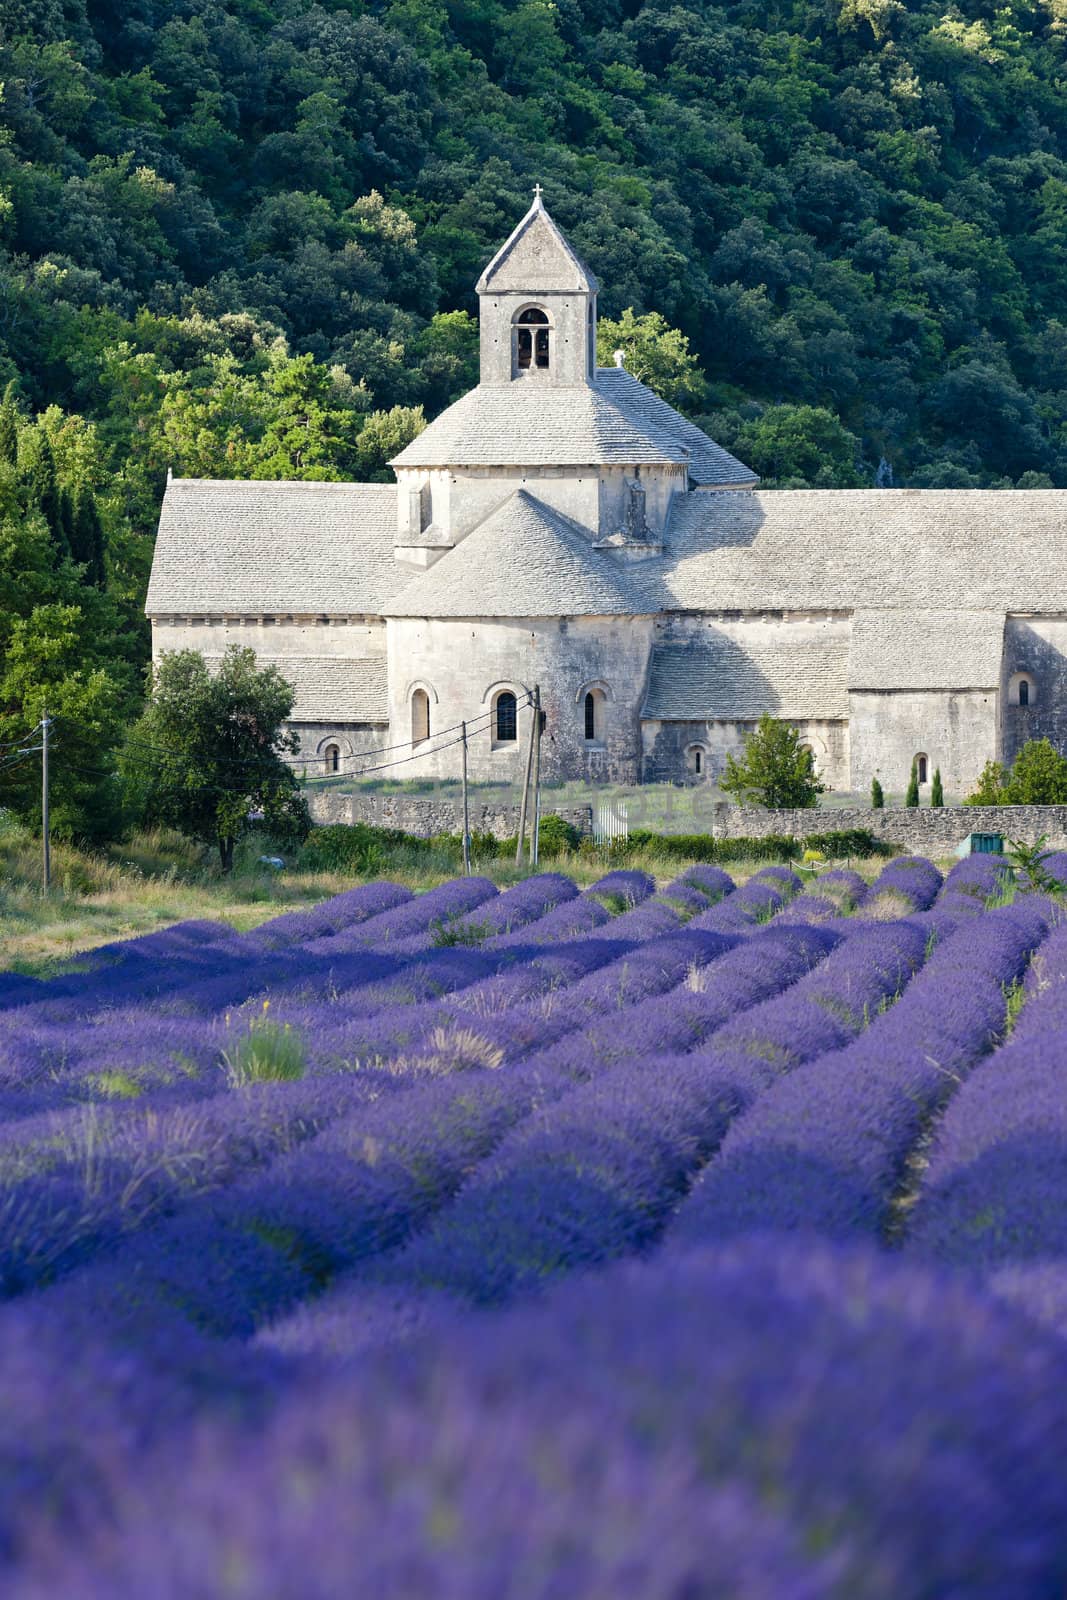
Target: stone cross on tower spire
(537,307)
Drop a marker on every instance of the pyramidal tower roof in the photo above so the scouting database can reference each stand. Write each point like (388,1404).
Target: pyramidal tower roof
(536,259)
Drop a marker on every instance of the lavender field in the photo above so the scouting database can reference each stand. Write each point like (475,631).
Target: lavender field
(707,1242)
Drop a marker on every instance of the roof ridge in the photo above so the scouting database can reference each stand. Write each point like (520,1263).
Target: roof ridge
(337,484)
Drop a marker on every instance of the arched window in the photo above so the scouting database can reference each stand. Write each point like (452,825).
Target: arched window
(507,718)
(420,716)
(921,766)
(696,761)
(332,758)
(533,336)
(1022,689)
(590,715)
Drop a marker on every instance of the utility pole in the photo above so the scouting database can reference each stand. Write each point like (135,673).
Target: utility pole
(535,843)
(466,811)
(534,720)
(46,850)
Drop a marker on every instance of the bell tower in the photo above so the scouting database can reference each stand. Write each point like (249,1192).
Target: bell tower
(537,308)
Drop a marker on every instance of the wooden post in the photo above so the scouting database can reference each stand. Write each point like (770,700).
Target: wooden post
(466,810)
(46,843)
(534,719)
(535,843)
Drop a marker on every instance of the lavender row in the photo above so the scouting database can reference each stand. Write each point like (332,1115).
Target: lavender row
(611,1440)
(993,1187)
(908,883)
(826,1147)
(594,1176)
(74,1182)
(515,908)
(707,997)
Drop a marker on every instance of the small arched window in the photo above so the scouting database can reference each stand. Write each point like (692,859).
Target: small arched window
(532,340)
(507,718)
(696,761)
(921,767)
(590,715)
(1022,689)
(332,758)
(420,716)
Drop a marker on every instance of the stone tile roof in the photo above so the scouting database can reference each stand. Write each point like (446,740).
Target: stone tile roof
(710,466)
(861,549)
(716,677)
(255,548)
(926,649)
(524,560)
(531,422)
(332,689)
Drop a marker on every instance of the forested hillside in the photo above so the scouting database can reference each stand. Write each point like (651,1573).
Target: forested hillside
(240,238)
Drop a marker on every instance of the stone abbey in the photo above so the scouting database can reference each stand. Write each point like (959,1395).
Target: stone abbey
(561,525)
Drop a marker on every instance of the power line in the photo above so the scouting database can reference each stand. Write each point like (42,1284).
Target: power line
(296,761)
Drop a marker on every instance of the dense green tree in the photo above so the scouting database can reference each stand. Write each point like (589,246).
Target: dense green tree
(989,790)
(208,755)
(87,537)
(775,769)
(1038,776)
(911,798)
(877,795)
(937,792)
(656,354)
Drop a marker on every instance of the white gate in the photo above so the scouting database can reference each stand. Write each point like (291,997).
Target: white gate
(610,822)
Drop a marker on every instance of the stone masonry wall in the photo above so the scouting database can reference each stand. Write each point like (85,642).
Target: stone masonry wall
(925,830)
(424,817)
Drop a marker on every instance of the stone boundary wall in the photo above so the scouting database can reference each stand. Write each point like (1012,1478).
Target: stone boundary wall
(923,830)
(424,816)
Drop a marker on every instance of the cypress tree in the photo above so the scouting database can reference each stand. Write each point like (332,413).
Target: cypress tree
(937,793)
(87,542)
(912,796)
(9,428)
(877,797)
(42,485)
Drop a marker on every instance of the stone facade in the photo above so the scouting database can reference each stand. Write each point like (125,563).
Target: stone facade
(562,526)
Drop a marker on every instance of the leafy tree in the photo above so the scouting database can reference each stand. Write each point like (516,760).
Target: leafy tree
(775,769)
(877,796)
(937,793)
(656,354)
(383,435)
(989,790)
(800,446)
(1038,776)
(911,798)
(208,754)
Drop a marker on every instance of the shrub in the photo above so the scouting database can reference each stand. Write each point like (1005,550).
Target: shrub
(912,796)
(937,793)
(555,835)
(877,797)
(355,848)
